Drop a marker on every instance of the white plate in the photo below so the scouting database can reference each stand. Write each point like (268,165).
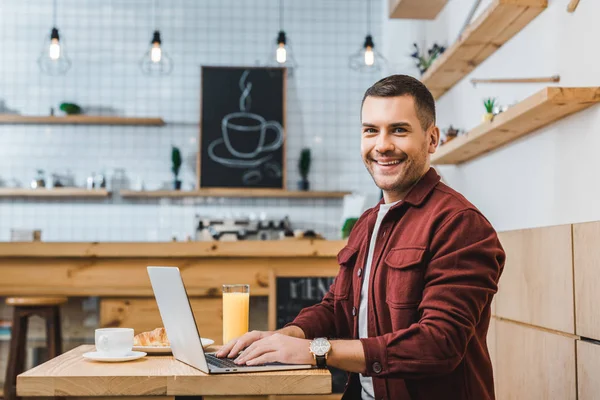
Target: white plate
(97,356)
(167,349)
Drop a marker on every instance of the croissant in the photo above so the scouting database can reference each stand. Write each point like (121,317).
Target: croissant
(157,337)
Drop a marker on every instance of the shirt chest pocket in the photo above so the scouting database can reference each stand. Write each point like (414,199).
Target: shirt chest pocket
(405,276)
(343,282)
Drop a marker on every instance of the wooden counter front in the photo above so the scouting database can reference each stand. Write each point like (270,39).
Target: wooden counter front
(119,269)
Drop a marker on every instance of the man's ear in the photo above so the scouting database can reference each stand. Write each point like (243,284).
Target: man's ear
(433,136)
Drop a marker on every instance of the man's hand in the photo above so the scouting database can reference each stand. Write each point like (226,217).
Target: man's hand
(277,348)
(234,346)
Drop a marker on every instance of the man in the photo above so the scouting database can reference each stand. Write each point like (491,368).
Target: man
(411,302)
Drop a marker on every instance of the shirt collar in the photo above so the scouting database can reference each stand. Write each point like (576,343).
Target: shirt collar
(419,192)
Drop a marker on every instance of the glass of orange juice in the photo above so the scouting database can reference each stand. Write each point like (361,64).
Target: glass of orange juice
(236,305)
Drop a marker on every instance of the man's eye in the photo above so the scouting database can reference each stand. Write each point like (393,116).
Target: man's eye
(399,130)
(370,130)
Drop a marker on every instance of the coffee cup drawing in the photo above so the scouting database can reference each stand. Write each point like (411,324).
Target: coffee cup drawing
(245,134)
(247,139)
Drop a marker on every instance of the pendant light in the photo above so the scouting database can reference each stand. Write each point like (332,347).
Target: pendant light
(367,58)
(283,52)
(53,59)
(156,61)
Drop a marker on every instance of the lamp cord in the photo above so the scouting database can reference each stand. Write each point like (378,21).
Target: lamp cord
(54,14)
(154,15)
(280,15)
(368,17)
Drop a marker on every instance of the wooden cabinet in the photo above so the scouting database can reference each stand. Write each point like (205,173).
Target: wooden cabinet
(588,369)
(536,286)
(586,259)
(534,364)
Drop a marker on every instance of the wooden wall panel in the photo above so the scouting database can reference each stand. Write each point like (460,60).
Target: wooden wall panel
(534,364)
(588,370)
(536,286)
(586,248)
(143,315)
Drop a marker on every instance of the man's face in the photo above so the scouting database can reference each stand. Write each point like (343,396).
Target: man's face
(394,146)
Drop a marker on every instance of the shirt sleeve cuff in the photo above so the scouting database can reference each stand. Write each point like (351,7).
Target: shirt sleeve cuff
(375,349)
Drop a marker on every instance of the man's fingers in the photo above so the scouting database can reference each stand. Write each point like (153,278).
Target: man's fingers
(264,358)
(243,342)
(226,348)
(255,350)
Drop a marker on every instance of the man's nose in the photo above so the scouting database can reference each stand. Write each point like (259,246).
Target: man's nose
(384,143)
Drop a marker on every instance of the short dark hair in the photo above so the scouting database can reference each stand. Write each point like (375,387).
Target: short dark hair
(404,85)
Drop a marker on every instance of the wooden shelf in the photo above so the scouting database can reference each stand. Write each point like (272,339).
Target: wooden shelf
(416,9)
(55,192)
(78,120)
(234,193)
(543,108)
(500,22)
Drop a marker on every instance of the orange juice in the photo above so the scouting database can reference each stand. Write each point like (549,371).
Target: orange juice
(235,315)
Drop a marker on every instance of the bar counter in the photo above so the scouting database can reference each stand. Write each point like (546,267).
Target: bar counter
(116,273)
(119,269)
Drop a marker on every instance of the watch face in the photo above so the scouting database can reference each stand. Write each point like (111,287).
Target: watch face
(320,346)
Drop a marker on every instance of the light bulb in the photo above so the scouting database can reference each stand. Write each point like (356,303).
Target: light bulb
(281,54)
(369,56)
(156,53)
(54,51)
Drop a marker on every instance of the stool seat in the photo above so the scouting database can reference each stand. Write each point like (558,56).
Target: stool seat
(36,301)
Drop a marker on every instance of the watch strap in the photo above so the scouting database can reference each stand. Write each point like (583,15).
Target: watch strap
(321,361)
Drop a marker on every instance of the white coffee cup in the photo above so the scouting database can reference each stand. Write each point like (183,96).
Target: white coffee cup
(114,341)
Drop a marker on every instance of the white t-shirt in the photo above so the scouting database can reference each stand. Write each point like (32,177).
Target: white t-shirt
(363,332)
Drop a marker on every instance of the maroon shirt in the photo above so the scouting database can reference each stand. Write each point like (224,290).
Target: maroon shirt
(435,269)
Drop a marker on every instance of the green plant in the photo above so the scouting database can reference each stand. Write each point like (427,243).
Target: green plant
(347,227)
(176,160)
(304,163)
(489,104)
(70,108)
(424,61)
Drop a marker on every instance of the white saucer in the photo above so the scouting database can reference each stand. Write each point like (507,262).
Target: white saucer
(97,356)
(167,349)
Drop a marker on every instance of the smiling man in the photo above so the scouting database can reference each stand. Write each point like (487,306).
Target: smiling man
(410,306)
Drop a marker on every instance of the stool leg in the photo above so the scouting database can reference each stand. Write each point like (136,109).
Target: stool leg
(53,333)
(16,356)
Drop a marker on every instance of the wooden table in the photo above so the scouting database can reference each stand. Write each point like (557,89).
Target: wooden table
(70,375)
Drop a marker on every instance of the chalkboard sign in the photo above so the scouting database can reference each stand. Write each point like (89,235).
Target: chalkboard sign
(242,127)
(295,293)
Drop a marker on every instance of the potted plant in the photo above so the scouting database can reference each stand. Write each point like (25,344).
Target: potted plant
(304,167)
(489,104)
(176,165)
(424,61)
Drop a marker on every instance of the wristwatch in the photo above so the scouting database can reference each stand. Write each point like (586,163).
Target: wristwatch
(319,348)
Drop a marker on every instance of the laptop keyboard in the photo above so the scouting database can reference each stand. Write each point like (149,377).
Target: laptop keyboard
(226,362)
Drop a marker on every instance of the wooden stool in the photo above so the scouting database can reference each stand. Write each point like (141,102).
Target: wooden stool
(49,309)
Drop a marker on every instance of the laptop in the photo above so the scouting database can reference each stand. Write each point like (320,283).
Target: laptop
(180,324)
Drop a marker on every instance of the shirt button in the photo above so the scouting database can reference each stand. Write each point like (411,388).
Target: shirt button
(354,311)
(359,272)
(376,367)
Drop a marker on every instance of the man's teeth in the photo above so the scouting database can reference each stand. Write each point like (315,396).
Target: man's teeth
(388,163)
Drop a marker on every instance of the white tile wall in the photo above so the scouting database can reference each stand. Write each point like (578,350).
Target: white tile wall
(106,39)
